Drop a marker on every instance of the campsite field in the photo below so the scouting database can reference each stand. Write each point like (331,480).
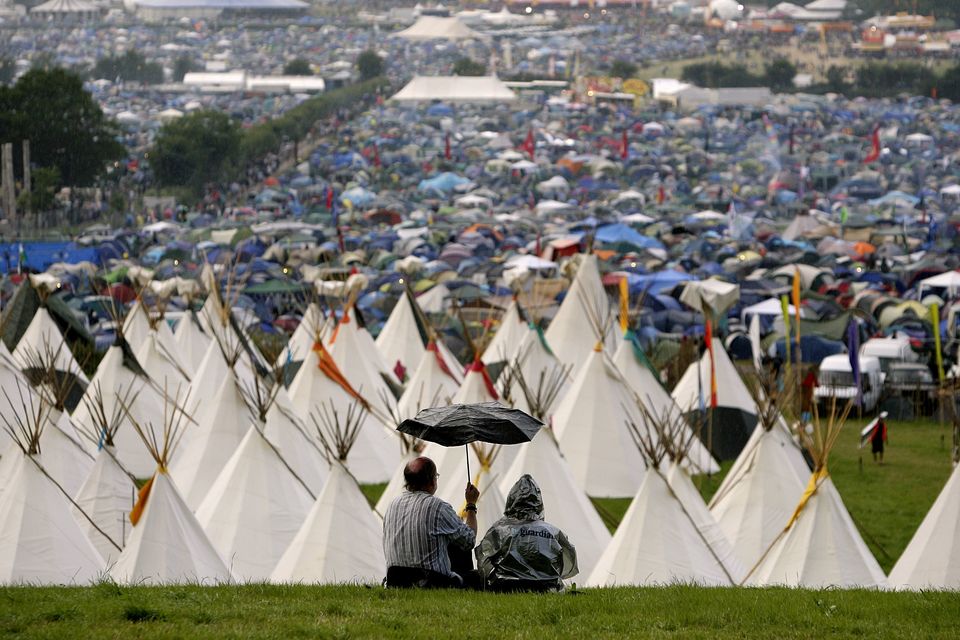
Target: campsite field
(258,611)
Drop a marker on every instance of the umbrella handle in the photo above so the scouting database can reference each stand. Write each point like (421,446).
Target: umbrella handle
(466,448)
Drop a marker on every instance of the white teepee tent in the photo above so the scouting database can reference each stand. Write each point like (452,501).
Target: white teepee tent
(649,390)
(254,508)
(535,362)
(136,325)
(156,360)
(819,546)
(565,503)
(735,417)
(192,342)
(400,341)
(167,545)
(319,381)
(44,335)
(932,559)
(296,445)
(341,539)
(311,326)
(40,541)
(591,426)
(572,332)
(432,384)
(506,341)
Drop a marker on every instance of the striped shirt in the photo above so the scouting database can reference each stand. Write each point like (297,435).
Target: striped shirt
(418,527)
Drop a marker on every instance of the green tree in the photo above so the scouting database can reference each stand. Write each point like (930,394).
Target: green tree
(183,65)
(467,67)
(779,75)
(44,184)
(948,85)
(623,69)
(195,150)
(66,128)
(837,79)
(369,64)
(297,67)
(130,67)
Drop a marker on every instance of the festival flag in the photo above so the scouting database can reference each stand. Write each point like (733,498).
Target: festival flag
(624,146)
(796,301)
(874,154)
(708,336)
(624,305)
(536,248)
(755,342)
(376,155)
(661,194)
(853,347)
(844,214)
(446,147)
(785,309)
(21,258)
(938,351)
(529,144)
(329,198)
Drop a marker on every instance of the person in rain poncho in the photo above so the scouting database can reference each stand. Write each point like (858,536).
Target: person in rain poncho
(522,552)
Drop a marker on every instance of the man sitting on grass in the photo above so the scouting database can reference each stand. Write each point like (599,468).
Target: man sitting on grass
(425,543)
(521,552)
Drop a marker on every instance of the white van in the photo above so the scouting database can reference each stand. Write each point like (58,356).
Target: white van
(888,351)
(835,380)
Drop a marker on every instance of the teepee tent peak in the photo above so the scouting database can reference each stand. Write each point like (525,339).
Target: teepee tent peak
(432,384)
(508,336)
(191,340)
(402,339)
(43,335)
(312,328)
(573,330)
(534,380)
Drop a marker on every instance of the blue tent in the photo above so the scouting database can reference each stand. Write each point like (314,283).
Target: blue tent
(813,349)
(621,234)
(443,183)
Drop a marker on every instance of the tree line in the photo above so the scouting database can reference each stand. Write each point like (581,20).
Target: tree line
(870,80)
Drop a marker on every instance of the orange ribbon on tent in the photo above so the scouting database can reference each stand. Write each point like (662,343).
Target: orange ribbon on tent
(330,369)
(713,369)
(141,503)
(488,383)
(344,320)
(796,302)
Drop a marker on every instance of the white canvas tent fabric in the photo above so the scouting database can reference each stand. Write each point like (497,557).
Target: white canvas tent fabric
(949,280)
(360,362)
(650,392)
(434,300)
(136,326)
(159,366)
(591,426)
(932,558)
(399,341)
(106,496)
(438,28)
(770,307)
(295,443)
(114,381)
(571,333)
(395,485)
(429,386)
(754,508)
(508,336)
(42,334)
(454,89)
(822,548)
(64,457)
(192,343)
(40,541)
(376,452)
(254,508)
(340,541)
(658,543)
(539,367)
(716,294)
(168,545)
(214,439)
(565,504)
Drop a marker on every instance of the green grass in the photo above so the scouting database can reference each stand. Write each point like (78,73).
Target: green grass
(258,611)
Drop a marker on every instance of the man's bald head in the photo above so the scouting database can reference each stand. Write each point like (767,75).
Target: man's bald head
(419,474)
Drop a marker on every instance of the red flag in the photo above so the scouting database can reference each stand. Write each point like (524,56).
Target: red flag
(329,197)
(340,240)
(376,156)
(446,148)
(875,151)
(536,249)
(713,369)
(661,195)
(624,146)
(529,145)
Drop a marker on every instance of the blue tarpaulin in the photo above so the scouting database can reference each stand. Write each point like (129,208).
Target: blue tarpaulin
(40,255)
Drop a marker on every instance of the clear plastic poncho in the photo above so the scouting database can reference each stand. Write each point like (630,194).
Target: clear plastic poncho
(520,546)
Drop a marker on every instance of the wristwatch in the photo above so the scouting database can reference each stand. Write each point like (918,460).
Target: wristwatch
(471,506)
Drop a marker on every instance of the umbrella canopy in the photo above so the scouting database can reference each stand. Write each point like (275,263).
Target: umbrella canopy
(458,424)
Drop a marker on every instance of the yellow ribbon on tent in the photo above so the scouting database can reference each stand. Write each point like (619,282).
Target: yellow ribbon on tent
(812,486)
(785,308)
(796,300)
(142,496)
(935,316)
(624,305)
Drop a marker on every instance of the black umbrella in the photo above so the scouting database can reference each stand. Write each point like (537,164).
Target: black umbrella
(457,424)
